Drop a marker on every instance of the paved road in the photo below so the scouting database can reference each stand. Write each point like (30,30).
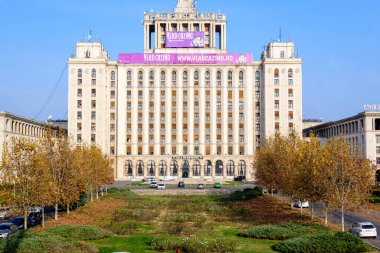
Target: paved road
(351,217)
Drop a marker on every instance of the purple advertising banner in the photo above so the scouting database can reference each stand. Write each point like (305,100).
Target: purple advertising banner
(157,58)
(185,39)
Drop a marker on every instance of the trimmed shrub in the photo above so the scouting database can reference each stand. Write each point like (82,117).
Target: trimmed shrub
(79,232)
(284,231)
(124,228)
(32,242)
(193,244)
(246,194)
(338,243)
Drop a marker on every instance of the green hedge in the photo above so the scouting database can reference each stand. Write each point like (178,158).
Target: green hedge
(338,243)
(79,232)
(42,242)
(193,244)
(246,194)
(284,231)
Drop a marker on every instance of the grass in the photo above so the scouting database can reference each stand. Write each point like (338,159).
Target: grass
(135,220)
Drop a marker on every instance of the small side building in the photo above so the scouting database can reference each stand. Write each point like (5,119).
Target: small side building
(361,131)
(14,126)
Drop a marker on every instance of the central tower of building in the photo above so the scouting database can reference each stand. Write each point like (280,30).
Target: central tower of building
(184,107)
(210,26)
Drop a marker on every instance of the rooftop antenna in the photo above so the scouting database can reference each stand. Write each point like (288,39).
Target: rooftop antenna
(280,35)
(89,36)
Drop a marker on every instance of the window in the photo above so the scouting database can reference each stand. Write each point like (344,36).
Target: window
(276,73)
(93,138)
(241,79)
(93,104)
(290,73)
(229,105)
(129,75)
(79,126)
(79,104)
(140,75)
(257,127)
(290,82)
(290,103)
(79,115)
(257,75)
(93,126)
(79,138)
(93,81)
(93,115)
(242,138)
(79,81)
(282,54)
(378,160)
(80,73)
(93,73)
(377,150)
(377,138)
(112,75)
(276,82)
(112,138)
(241,105)
(276,93)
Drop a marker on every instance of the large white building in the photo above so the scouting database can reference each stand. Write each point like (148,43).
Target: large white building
(185,107)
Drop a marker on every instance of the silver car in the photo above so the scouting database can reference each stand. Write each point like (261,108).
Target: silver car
(363,229)
(7,230)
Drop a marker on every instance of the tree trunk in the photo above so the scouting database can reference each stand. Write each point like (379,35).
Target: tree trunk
(43,217)
(312,210)
(25,218)
(102,192)
(301,208)
(106,188)
(326,215)
(56,211)
(97,194)
(67,209)
(91,194)
(342,213)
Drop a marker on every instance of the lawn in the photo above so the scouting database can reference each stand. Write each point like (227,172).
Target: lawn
(131,223)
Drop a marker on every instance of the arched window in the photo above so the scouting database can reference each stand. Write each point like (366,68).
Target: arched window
(80,73)
(229,75)
(207,75)
(196,168)
(174,76)
(196,75)
(257,75)
(219,168)
(140,168)
(242,168)
(282,55)
(140,75)
(151,168)
(208,168)
(93,73)
(290,73)
(174,168)
(151,75)
(162,168)
(163,76)
(230,168)
(276,73)
(218,75)
(241,79)
(128,168)
(185,75)
(129,75)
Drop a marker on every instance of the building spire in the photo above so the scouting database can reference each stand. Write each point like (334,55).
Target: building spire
(185,6)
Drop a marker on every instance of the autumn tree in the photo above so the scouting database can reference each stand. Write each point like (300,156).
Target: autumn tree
(348,179)
(18,174)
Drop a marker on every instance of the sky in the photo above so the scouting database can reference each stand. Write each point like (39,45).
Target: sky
(338,41)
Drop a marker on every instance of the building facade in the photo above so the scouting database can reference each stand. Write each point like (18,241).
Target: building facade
(361,132)
(185,107)
(13,126)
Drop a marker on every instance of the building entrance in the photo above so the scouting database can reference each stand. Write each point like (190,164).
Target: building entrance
(185,169)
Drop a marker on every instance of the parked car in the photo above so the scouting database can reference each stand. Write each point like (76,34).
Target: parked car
(181,184)
(149,179)
(303,204)
(5,213)
(240,179)
(153,184)
(363,229)
(35,218)
(35,209)
(161,186)
(266,191)
(201,186)
(18,221)
(7,230)
(218,185)
(166,179)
